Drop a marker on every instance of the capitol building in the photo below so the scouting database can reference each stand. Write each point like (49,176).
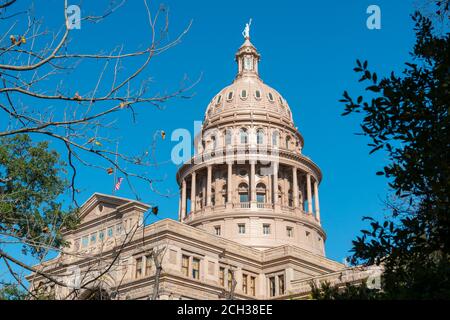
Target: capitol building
(249,220)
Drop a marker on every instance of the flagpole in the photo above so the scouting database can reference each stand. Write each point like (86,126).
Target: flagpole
(115,169)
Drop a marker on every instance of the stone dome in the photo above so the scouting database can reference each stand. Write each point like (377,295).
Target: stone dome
(249,93)
(248,180)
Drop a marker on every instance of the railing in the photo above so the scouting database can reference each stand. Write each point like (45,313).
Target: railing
(263,205)
(244,205)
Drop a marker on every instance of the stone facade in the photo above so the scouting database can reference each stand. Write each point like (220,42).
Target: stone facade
(249,218)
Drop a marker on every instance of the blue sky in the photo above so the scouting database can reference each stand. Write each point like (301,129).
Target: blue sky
(308,51)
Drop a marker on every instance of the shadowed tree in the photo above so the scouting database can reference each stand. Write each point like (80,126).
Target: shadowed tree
(407,117)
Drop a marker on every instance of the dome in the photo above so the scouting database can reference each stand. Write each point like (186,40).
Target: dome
(248,91)
(248,180)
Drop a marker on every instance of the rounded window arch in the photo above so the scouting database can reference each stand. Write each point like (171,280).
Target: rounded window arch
(243,133)
(230,95)
(275,138)
(244,94)
(258,94)
(261,192)
(270,96)
(243,192)
(228,134)
(219,99)
(260,136)
(281,100)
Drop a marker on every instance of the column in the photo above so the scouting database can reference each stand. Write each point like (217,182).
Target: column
(208,186)
(295,187)
(179,205)
(275,182)
(183,199)
(229,183)
(316,200)
(193,191)
(252,181)
(308,191)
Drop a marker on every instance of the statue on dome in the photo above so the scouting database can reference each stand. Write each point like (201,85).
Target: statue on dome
(246,32)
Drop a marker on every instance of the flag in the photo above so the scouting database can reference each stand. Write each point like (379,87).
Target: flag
(119,182)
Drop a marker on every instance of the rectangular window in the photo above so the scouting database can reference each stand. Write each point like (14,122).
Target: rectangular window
(244,283)
(138,267)
(196,268)
(119,229)
(272,286)
(148,265)
(230,280)
(101,235)
(253,286)
(266,228)
(110,232)
(243,197)
(93,238)
(281,284)
(260,198)
(289,232)
(217,230)
(85,241)
(185,266)
(241,228)
(222,276)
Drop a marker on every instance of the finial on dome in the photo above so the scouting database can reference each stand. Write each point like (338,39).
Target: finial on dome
(246,32)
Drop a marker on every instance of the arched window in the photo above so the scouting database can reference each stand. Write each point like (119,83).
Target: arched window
(258,94)
(244,94)
(275,136)
(227,137)
(270,96)
(244,136)
(213,142)
(288,142)
(261,193)
(243,192)
(281,100)
(230,95)
(219,98)
(260,136)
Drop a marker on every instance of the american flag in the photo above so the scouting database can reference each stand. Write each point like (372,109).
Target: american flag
(119,182)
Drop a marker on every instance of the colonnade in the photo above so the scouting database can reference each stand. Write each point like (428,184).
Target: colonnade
(312,189)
